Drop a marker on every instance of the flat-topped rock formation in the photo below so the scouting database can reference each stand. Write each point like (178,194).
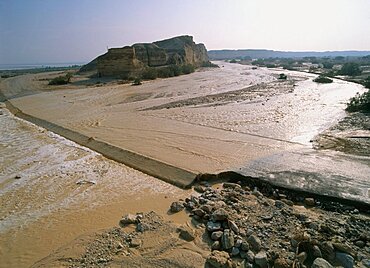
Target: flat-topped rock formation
(131,60)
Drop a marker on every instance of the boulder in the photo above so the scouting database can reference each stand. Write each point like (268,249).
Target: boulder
(227,239)
(186,233)
(344,259)
(129,219)
(213,226)
(219,259)
(176,207)
(216,235)
(254,242)
(261,259)
(219,215)
(321,263)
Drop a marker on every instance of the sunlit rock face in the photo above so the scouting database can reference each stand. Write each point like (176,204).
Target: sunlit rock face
(130,60)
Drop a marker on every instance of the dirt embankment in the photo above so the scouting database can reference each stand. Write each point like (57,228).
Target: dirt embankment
(350,135)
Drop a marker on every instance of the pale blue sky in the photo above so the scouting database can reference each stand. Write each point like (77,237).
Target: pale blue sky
(54,31)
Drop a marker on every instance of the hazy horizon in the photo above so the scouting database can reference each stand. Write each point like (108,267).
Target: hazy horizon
(78,31)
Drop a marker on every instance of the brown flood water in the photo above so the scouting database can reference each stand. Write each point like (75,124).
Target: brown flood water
(45,208)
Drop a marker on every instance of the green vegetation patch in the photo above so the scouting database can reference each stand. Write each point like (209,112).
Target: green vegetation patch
(323,80)
(61,80)
(359,103)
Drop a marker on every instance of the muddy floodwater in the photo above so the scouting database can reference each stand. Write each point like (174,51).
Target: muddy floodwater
(230,118)
(53,190)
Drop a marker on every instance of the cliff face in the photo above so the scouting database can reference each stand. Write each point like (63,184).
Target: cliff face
(131,60)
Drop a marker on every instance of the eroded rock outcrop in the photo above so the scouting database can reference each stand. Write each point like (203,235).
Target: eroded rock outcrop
(131,60)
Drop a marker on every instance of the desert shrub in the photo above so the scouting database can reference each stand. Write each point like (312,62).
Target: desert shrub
(360,102)
(150,73)
(327,65)
(137,82)
(323,80)
(175,70)
(366,82)
(164,72)
(287,67)
(270,65)
(187,69)
(350,69)
(61,80)
(233,61)
(283,76)
(209,64)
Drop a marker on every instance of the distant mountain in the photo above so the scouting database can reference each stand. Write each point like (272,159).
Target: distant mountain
(264,53)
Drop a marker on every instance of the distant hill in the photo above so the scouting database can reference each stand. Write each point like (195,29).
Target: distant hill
(264,53)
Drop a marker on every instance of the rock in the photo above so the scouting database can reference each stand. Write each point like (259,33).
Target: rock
(200,213)
(250,256)
(81,182)
(216,235)
(245,246)
(219,259)
(186,233)
(130,60)
(234,227)
(316,252)
(327,251)
(206,208)
(288,202)
(213,226)
(200,189)
(281,263)
(344,248)
(128,219)
(279,204)
(119,245)
(360,243)
(219,215)
(301,257)
(246,264)
(235,251)
(238,243)
(261,259)
(231,185)
(314,226)
(310,202)
(366,262)
(216,245)
(135,243)
(176,207)
(254,242)
(321,263)
(344,259)
(256,192)
(227,239)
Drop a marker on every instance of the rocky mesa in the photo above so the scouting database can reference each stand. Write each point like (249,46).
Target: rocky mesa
(132,60)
